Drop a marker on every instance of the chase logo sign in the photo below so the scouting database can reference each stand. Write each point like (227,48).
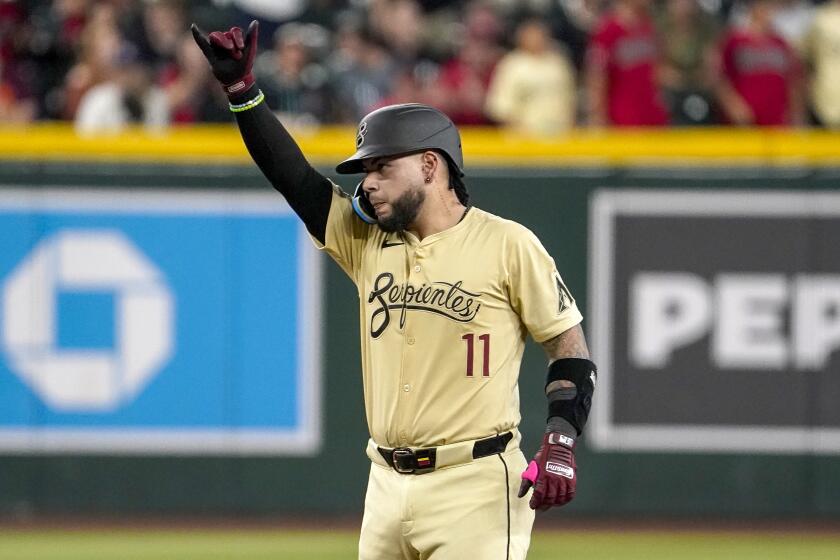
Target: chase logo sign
(716,320)
(157,323)
(77,262)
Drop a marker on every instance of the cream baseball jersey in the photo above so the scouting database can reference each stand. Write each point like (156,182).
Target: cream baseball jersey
(444,322)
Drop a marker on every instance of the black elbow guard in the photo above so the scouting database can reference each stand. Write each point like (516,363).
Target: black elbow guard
(571,404)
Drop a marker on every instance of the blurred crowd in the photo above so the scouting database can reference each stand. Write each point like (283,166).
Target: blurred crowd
(540,66)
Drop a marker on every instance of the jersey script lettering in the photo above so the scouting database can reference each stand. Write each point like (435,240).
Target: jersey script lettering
(444,298)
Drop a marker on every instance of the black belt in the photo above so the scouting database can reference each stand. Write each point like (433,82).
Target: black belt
(422,460)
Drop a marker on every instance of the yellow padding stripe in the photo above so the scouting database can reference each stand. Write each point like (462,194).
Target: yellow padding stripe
(482,146)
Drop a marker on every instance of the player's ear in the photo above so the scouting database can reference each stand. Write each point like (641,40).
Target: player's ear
(431,164)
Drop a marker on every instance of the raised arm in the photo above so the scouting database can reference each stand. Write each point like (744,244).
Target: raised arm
(231,57)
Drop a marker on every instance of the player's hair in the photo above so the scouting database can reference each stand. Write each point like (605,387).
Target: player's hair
(456,182)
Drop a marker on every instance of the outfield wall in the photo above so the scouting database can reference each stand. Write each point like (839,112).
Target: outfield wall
(705,265)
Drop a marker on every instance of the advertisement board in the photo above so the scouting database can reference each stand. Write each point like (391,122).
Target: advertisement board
(715,320)
(157,322)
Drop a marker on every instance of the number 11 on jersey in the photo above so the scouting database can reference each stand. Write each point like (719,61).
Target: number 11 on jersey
(485,340)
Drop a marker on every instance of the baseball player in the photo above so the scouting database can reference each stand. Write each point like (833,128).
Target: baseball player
(447,295)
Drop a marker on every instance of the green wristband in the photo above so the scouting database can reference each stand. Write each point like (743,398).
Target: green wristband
(248,104)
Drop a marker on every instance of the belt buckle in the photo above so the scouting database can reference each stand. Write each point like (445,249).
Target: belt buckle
(401,453)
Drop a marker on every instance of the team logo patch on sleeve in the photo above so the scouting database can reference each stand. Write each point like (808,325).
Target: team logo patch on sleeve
(564,295)
(558,468)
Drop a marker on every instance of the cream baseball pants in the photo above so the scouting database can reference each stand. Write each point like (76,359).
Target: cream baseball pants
(467,511)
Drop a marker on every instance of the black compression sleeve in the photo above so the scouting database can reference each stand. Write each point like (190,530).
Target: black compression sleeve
(279,158)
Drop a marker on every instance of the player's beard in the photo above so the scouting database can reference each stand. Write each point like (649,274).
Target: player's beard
(404,211)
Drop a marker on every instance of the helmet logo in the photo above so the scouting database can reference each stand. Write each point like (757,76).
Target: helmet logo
(360,137)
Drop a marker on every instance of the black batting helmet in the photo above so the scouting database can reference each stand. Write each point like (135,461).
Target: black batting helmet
(401,129)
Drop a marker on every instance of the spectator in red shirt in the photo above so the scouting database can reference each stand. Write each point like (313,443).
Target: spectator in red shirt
(464,81)
(761,76)
(621,67)
(460,90)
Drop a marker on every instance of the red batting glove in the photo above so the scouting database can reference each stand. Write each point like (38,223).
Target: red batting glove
(231,56)
(551,473)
